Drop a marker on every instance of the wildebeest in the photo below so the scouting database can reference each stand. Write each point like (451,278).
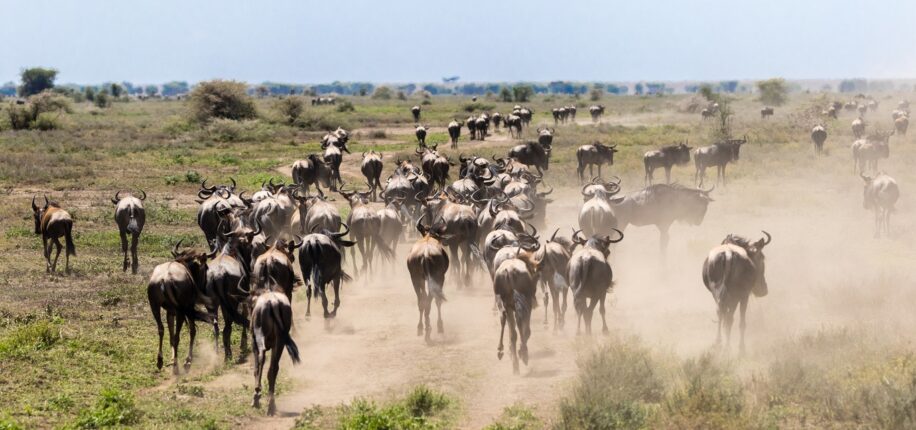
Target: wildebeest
(216,200)
(483,123)
(427,264)
(532,154)
(593,155)
(731,272)
(545,136)
(316,211)
(421,132)
(276,265)
(391,228)
(880,195)
(320,258)
(901,124)
(460,223)
(365,230)
(271,321)
(554,277)
(666,157)
(228,282)
(590,277)
(596,217)
(333,158)
(52,223)
(130,217)
(596,111)
(858,127)
(416,113)
(454,132)
(866,152)
(718,154)
(497,119)
(371,167)
(515,286)
(312,171)
(435,166)
(525,113)
(818,136)
(178,286)
(514,125)
(765,112)
(661,205)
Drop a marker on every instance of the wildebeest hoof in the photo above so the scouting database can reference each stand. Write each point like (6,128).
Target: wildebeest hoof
(605,331)
(523,354)
(256,403)
(499,355)
(419,330)
(439,328)
(159,363)
(271,408)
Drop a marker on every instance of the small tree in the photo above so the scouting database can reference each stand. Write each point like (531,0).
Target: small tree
(261,91)
(89,92)
(36,80)
(116,91)
(39,112)
(290,107)
(773,91)
(505,94)
(596,93)
(382,93)
(151,90)
(221,99)
(102,100)
(522,93)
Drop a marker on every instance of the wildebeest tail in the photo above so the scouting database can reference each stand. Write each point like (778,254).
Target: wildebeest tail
(386,251)
(232,311)
(132,225)
(71,248)
(283,331)
(522,306)
(434,286)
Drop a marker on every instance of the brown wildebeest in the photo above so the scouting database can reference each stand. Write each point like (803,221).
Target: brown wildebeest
(590,277)
(661,205)
(454,132)
(320,258)
(421,132)
(371,167)
(228,282)
(271,320)
(593,155)
(731,272)
(130,217)
(515,285)
(178,286)
(818,136)
(766,112)
(858,127)
(881,194)
(718,154)
(901,124)
(427,264)
(666,157)
(415,111)
(596,111)
(554,277)
(52,223)
(365,229)
(866,152)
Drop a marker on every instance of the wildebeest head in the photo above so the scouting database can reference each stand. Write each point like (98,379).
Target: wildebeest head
(600,243)
(600,188)
(117,197)
(38,212)
(195,262)
(755,253)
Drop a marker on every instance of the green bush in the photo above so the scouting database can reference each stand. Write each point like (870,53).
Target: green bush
(382,93)
(290,108)
(221,99)
(227,130)
(346,106)
(27,116)
(46,121)
(32,336)
(113,409)
(773,91)
(102,100)
(36,80)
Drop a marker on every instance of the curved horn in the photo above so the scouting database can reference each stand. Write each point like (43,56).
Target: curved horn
(46,201)
(144,195)
(534,231)
(204,194)
(768,239)
(618,232)
(34,207)
(258,229)
(554,235)
(233,183)
(175,249)
(346,230)
(545,193)
(116,198)
(583,189)
(577,239)
(709,190)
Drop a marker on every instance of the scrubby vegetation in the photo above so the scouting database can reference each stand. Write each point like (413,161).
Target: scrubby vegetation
(221,99)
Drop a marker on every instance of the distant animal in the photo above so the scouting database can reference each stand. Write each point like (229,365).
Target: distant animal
(130,217)
(901,124)
(766,112)
(320,257)
(515,286)
(545,136)
(428,263)
(732,272)
(415,111)
(880,195)
(52,223)
(371,167)
(514,124)
(454,132)
(421,132)
(483,124)
(596,154)
(666,157)
(271,321)
(178,286)
(866,152)
(471,122)
(818,136)
(532,154)
(718,154)
(661,205)
(596,111)
(858,127)
(590,277)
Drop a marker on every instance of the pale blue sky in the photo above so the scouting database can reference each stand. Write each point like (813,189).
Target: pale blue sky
(92,41)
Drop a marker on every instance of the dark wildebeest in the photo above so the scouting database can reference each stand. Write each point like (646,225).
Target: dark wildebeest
(731,272)
(391,228)
(661,205)
(596,111)
(667,157)
(427,264)
(471,122)
(590,277)
(718,154)
(497,119)
(554,278)
(858,127)
(130,217)
(880,195)
(514,125)
(276,265)
(525,114)
(901,124)
(215,201)
(866,152)
(371,167)
(545,136)
(271,321)
(593,155)
(818,136)
(766,112)
(596,217)
(515,286)
(178,286)
(52,223)
(320,258)
(454,132)
(365,230)
(312,170)
(483,124)
(416,113)
(421,132)
(333,158)
(460,223)
(532,154)
(228,282)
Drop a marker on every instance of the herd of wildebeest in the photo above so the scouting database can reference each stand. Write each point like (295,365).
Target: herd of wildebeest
(487,220)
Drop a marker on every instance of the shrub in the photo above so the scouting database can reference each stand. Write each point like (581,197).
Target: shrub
(102,100)
(46,121)
(378,134)
(27,116)
(290,108)
(227,130)
(346,106)
(712,397)
(89,92)
(522,93)
(505,95)
(773,91)
(32,336)
(191,176)
(221,99)
(113,408)
(475,107)
(36,80)
(382,93)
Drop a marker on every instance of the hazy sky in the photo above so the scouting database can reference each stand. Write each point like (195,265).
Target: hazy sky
(92,41)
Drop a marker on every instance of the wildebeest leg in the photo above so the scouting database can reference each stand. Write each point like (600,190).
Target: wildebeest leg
(361,244)
(453,256)
(173,339)
(419,287)
(743,323)
(663,239)
(667,174)
(260,357)
(439,326)
(227,335)
(275,355)
(562,318)
(324,300)
(648,176)
(580,170)
(545,284)
(57,247)
(524,328)
(502,332)
(135,259)
(157,315)
(46,251)
(887,222)
(729,320)
(589,312)
(599,170)
(336,297)
(243,347)
(427,309)
(308,299)
(877,222)
(124,249)
(604,329)
(192,331)
(720,314)
(513,339)
(591,170)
